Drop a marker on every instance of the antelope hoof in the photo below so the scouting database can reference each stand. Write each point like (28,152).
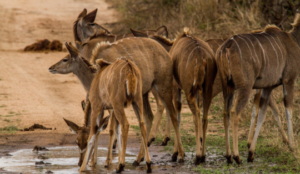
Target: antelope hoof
(149,170)
(174,156)
(150,141)
(120,168)
(107,164)
(202,159)
(135,163)
(250,158)
(115,144)
(142,159)
(197,160)
(165,141)
(237,159)
(229,159)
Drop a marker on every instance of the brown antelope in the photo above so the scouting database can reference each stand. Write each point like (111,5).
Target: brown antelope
(217,88)
(260,60)
(194,72)
(145,53)
(105,94)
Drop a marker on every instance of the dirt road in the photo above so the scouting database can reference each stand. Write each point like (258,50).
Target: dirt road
(29,93)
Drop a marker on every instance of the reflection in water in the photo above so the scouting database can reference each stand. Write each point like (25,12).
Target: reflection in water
(62,159)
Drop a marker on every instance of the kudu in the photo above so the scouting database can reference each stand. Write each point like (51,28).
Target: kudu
(260,60)
(217,88)
(83,28)
(154,64)
(105,94)
(195,70)
(150,53)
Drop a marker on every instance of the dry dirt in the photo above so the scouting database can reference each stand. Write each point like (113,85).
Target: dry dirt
(29,93)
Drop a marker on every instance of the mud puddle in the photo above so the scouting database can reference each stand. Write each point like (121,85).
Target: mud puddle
(64,160)
(60,160)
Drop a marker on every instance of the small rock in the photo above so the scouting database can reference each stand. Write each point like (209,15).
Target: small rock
(39,163)
(47,164)
(42,157)
(49,172)
(39,148)
(155,155)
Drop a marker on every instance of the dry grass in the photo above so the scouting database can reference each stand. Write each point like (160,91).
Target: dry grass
(207,19)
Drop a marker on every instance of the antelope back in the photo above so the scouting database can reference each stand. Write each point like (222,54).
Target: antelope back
(149,56)
(261,56)
(191,57)
(122,72)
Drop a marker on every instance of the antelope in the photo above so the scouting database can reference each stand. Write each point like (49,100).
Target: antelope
(217,88)
(261,60)
(145,53)
(88,34)
(105,94)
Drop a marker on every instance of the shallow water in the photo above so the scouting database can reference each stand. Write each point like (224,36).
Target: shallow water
(62,159)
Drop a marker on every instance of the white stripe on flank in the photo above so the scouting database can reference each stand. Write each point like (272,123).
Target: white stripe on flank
(238,47)
(126,50)
(122,68)
(142,54)
(123,36)
(144,48)
(115,38)
(187,62)
(276,44)
(185,48)
(248,47)
(272,47)
(251,44)
(261,48)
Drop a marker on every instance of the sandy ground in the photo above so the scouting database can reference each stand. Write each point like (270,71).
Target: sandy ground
(29,93)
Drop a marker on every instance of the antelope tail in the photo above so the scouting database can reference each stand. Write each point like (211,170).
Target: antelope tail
(223,57)
(195,86)
(131,86)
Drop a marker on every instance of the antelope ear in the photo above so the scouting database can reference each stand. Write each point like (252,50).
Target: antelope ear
(72,50)
(73,127)
(90,18)
(83,105)
(102,63)
(104,123)
(137,33)
(82,14)
(162,31)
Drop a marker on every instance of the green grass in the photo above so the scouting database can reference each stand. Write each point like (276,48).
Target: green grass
(9,129)
(7,120)
(135,127)
(2,106)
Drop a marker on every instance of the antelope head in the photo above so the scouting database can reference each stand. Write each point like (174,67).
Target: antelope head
(83,134)
(70,63)
(84,27)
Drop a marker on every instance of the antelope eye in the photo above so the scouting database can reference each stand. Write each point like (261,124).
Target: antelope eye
(65,60)
(92,24)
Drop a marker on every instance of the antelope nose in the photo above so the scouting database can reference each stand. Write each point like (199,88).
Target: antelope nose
(79,163)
